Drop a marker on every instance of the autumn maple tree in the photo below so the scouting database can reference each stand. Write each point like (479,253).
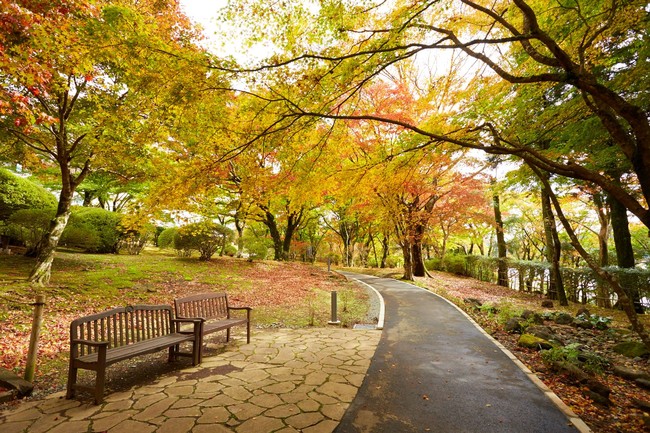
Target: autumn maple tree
(81,85)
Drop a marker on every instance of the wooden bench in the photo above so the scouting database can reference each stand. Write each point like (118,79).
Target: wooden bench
(102,339)
(214,310)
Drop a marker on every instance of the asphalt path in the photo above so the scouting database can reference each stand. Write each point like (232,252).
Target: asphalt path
(435,371)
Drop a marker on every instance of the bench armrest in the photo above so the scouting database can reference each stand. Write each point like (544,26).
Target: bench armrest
(197,329)
(90,343)
(248,311)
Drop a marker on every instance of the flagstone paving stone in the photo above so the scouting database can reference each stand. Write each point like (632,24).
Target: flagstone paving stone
(284,381)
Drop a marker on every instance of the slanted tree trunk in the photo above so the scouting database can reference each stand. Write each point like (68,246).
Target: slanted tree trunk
(553,251)
(602,288)
(502,250)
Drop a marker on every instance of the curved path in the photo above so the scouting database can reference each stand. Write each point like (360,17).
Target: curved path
(435,371)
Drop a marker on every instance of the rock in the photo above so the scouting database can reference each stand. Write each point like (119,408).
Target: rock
(643,383)
(583,324)
(545,333)
(599,399)
(10,380)
(563,319)
(532,342)
(473,301)
(628,373)
(547,303)
(513,326)
(642,404)
(532,317)
(583,310)
(631,349)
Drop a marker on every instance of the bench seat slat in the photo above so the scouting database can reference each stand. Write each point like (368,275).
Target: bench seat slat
(140,348)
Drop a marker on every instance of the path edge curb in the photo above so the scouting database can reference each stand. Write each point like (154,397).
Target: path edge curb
(382,305)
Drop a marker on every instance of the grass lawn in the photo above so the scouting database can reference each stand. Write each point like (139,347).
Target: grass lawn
(282,294)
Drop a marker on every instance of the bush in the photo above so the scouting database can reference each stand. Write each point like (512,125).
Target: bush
(101,227)
(27,226)
(17,193)
(166,238)
(230,250)
(257,248)
(205,237)
(134,240)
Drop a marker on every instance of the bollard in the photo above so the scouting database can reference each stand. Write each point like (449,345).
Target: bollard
(334,320)
(30,367)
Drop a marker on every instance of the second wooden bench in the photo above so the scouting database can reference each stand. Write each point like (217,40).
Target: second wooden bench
(213,308)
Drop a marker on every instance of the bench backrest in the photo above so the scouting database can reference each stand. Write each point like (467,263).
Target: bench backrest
(124,325)
(206,305)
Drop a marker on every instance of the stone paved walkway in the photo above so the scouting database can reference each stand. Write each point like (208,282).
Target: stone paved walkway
(284,381)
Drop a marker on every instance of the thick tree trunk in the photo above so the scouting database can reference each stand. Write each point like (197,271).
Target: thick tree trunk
(419,270)
(553,251)
(269,221)
(502,267)
(624,250)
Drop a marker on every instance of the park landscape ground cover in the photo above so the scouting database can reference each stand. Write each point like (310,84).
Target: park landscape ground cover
(284,294)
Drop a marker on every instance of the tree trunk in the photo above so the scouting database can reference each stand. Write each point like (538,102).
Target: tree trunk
(417,258)
(293,222)
(602,288)
(408,261)
(47,245)
(624,250)
(553,251)
(239,226)
(269,221)
(384,254)
(502,250)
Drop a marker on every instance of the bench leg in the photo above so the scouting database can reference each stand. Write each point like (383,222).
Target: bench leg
(248,332)
(173,350)
(99,385)
(227,335)
(72,381)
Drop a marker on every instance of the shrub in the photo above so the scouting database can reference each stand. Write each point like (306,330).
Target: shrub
(133,241)
(17,193)
(573,354)
(95,223)
(166,238)
(257,248)
(230,250)
(206,237)
(27,226)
